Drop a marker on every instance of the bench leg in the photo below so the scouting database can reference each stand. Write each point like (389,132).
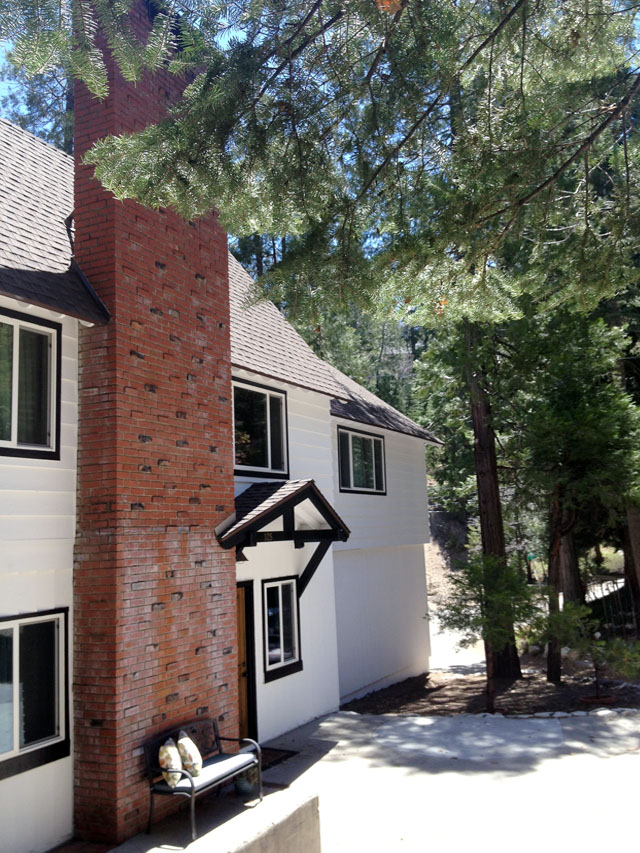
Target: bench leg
(260,779)
(150,821)
(193,818)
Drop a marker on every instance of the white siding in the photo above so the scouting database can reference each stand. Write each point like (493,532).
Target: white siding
(36,808)
(381,614)
(293,699)
(37,530)
(370,591)
(400,516)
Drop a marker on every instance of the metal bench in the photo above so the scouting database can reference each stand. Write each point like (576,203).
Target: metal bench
(218,766)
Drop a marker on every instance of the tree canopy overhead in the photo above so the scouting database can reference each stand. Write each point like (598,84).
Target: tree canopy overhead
(468,151)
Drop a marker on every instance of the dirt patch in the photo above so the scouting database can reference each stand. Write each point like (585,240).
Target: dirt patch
(447,693)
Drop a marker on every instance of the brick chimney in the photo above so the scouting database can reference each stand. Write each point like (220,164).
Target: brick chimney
(154,611)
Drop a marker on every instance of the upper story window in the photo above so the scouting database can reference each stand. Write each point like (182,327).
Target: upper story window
(260,418)
(33,691)
(361,462)
(29,385)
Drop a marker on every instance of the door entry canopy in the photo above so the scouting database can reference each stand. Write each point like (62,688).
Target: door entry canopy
(294,511)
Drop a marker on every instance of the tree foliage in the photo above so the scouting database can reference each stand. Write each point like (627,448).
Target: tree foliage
(459,152)
(42,104)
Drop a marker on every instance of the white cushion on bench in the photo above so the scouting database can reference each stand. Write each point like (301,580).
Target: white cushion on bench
(214,769)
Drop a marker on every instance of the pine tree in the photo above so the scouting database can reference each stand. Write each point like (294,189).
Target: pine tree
(42,104)
(332,123)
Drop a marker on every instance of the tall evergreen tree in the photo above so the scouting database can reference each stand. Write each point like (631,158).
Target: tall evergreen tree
(42,104)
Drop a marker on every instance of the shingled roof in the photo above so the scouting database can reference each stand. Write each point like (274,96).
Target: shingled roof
(263,342)
(36,198)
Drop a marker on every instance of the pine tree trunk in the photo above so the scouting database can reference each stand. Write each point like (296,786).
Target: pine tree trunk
(571,585)
(491,680)
(554,657)
(505,662)
(561,524)
(631,545)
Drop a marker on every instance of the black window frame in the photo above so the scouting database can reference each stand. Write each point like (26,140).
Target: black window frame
(26,451)
(252,471)
(57,747)
(374,437)
(273,672)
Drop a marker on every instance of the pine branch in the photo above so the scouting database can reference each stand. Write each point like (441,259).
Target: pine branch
(548,182)
(437,101)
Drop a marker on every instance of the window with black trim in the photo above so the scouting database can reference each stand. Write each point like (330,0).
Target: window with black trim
(281,628)
(361,461)
(33,691)
(260,418)
(29,385)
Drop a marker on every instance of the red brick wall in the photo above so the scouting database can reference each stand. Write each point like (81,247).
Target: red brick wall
(154,593)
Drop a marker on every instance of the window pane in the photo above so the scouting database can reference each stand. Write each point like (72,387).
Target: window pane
(33,388)
(362,450)
(288,622)
(273,625)
(6,377)
(38,682)
(277,433)
(250,415)
(378,464)
(6,690)
(343,456)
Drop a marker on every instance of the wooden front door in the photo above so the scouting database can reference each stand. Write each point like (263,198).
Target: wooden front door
(246,684)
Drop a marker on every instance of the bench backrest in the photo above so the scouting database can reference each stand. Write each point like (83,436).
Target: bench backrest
(203,732)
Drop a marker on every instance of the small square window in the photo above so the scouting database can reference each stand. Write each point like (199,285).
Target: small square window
(33,691)
(259,430)
(29,383)
(361,462)
(281,628)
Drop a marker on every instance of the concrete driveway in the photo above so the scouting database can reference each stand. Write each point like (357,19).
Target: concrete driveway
(471,782)
(389,783)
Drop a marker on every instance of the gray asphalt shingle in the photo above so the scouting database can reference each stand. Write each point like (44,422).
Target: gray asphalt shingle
(36,198)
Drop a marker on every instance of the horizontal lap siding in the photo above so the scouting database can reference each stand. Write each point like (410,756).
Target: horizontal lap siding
(381,609)
(380,579)
(37,530)
(400,516)
(379,597)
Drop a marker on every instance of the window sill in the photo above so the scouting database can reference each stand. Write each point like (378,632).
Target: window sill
(30,759)
(362,492)
(30,453)
(260,472)
(281,671)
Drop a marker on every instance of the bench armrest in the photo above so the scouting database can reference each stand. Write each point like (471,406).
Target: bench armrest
(159,771)
(246,740)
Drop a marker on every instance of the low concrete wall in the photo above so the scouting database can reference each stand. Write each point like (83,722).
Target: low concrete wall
(298,831)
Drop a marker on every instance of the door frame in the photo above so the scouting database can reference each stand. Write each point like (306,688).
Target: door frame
(250,645)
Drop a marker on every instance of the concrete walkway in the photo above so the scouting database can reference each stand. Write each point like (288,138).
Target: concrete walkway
(389,783)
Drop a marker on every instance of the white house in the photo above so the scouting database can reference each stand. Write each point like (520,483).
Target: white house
(359,622)
(329,524)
